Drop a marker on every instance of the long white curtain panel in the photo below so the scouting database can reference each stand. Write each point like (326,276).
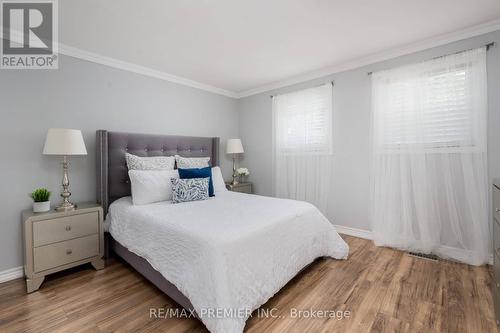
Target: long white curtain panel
(429,180)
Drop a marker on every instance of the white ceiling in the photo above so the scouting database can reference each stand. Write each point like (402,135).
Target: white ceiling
(242,45)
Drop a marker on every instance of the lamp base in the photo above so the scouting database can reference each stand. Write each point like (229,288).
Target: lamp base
(65,207)
(235,176)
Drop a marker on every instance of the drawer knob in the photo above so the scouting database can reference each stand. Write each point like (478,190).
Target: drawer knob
(68,228)
(497,210)
(69,251)
(498,285)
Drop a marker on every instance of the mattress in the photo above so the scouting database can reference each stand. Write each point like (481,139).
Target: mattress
(229,254)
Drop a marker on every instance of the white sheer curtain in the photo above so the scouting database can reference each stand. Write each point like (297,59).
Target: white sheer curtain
(302,135)
(429,184)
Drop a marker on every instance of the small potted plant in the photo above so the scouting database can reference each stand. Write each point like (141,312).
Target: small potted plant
(242,173)
(41,201)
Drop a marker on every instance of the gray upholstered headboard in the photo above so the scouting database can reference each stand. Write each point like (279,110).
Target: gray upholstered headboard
(112,172)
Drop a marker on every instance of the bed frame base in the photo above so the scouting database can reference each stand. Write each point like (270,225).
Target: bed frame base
(144,268)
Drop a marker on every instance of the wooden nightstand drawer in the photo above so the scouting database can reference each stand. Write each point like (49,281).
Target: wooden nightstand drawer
(240,187)
(65,228)
(54,255)
(54,241)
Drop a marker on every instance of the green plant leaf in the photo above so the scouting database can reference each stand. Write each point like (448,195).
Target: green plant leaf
(40,195)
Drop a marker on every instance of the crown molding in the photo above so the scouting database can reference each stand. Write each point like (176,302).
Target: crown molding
(77,53)
(443,39)
(138,69)
(356,63)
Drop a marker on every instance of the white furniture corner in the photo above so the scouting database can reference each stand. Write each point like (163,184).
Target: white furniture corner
(496,249)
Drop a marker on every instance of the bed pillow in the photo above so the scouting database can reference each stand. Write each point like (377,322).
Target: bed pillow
(191,162)
(135,162)
(192,189)
(150,186)
(199,173)
(218,180)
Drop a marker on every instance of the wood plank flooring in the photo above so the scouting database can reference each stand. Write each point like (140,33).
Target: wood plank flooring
(384,290)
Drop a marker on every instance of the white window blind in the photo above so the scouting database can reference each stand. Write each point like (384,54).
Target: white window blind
(303,121)
(435,104)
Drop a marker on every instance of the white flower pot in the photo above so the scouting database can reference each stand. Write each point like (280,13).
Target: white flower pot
(39,207)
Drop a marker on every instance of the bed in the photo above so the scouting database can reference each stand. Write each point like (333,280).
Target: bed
(223,257)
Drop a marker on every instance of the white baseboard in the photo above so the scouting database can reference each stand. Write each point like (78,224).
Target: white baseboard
(11,274)
(361,233)
(460,255)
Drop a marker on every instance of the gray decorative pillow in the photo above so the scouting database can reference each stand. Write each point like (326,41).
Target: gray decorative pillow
(193,189)
(191,162)
(150,163)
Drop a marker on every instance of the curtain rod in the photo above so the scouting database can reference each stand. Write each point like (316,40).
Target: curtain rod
(319,85)
(487,48)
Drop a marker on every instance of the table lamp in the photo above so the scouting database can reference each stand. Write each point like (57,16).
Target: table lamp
(234,147)
(64,142)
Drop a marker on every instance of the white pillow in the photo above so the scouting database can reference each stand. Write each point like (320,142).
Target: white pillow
(150,163)
(150,186)
(191,162)
(218,180)
(189,189)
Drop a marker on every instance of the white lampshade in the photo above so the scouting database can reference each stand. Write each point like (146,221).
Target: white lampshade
(63,141)
(234,146)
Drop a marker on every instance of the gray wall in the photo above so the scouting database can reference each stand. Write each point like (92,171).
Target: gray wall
(87,96)
(352,98)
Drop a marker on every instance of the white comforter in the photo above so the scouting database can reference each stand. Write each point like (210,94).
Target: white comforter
(228,254)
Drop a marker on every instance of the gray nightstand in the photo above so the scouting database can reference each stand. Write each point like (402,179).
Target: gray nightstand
(240,187)
(54,241)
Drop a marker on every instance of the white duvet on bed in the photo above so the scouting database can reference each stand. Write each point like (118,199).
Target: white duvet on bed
(230,253)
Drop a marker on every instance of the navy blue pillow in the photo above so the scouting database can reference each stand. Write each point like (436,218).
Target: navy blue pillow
(199,173)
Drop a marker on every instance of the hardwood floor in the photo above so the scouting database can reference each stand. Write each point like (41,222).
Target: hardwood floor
(384,290)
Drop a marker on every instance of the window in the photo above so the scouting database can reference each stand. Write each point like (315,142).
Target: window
(302,138)
(303,121)
(435,104)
